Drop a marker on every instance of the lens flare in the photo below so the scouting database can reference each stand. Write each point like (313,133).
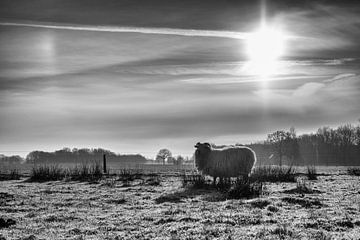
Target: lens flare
(264,48)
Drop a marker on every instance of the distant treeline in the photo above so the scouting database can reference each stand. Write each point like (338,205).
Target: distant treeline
(340,146)
(66,155)
(11,159)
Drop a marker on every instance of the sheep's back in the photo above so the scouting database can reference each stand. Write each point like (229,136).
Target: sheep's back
(231,162)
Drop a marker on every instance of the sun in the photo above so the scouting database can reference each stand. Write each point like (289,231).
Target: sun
(264,48)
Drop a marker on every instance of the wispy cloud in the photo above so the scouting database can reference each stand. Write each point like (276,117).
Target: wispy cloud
(248,79)
(115,29)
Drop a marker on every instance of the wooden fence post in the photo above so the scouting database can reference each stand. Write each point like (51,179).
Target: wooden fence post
(104,164)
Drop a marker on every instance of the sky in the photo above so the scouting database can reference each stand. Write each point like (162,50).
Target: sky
(137,76)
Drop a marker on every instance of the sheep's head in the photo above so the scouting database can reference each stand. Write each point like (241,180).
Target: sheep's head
(201,154)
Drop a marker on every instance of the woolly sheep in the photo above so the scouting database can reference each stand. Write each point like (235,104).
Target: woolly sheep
(232,161)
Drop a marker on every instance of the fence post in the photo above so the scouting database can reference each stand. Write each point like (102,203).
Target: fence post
(104,163)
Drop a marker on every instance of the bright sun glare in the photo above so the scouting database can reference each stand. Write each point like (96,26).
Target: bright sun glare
(264,48)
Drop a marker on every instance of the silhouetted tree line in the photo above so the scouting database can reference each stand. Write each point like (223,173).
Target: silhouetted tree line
(66,155)
(340,146)
(11,159)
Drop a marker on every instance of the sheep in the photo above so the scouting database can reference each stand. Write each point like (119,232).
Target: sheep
(232,161)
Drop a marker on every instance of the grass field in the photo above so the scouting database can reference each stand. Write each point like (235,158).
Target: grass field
(158,206)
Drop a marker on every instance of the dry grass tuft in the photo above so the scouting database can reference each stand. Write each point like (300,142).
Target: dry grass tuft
(153,181)
(12,174)
(196,181)
(6,223)
(244,189)
(311,173)
(173,198)
(307,203)
(128,175)
(354,171)
(260,203)
(273,174)
(83,173)
(45,173)
(302,188)
(282,232)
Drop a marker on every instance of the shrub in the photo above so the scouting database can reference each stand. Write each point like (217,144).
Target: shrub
(273,174)
(354,171)
(311,173)
(45,173)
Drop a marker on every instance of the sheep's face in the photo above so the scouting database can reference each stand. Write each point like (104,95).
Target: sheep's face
(201,154)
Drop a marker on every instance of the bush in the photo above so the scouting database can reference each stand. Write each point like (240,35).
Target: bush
(273,174)
(45,173)
(311,173)
(354,171)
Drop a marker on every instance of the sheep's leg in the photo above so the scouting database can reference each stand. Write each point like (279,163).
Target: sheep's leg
(214,183)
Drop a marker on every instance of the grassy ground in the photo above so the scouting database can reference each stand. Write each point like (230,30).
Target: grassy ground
(153,207)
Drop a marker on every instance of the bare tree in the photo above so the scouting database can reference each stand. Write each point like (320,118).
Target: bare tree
(277,139)
(164,154)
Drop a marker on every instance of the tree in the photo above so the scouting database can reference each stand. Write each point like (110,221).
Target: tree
(277,140)
(163,155)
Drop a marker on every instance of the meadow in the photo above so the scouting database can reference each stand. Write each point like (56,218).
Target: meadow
(159,203)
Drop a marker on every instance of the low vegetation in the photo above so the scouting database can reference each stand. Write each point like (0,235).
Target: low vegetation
(311,173)
(128,175)
(45,173)
(236,189)
(245,189)
(304,202)
(84,172)
(181,207)
(302,187)
(194,181)
(12,174)
(354,171)
(273,174)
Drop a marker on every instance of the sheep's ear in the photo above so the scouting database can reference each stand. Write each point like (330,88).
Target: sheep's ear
(207,145)
(197,145)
